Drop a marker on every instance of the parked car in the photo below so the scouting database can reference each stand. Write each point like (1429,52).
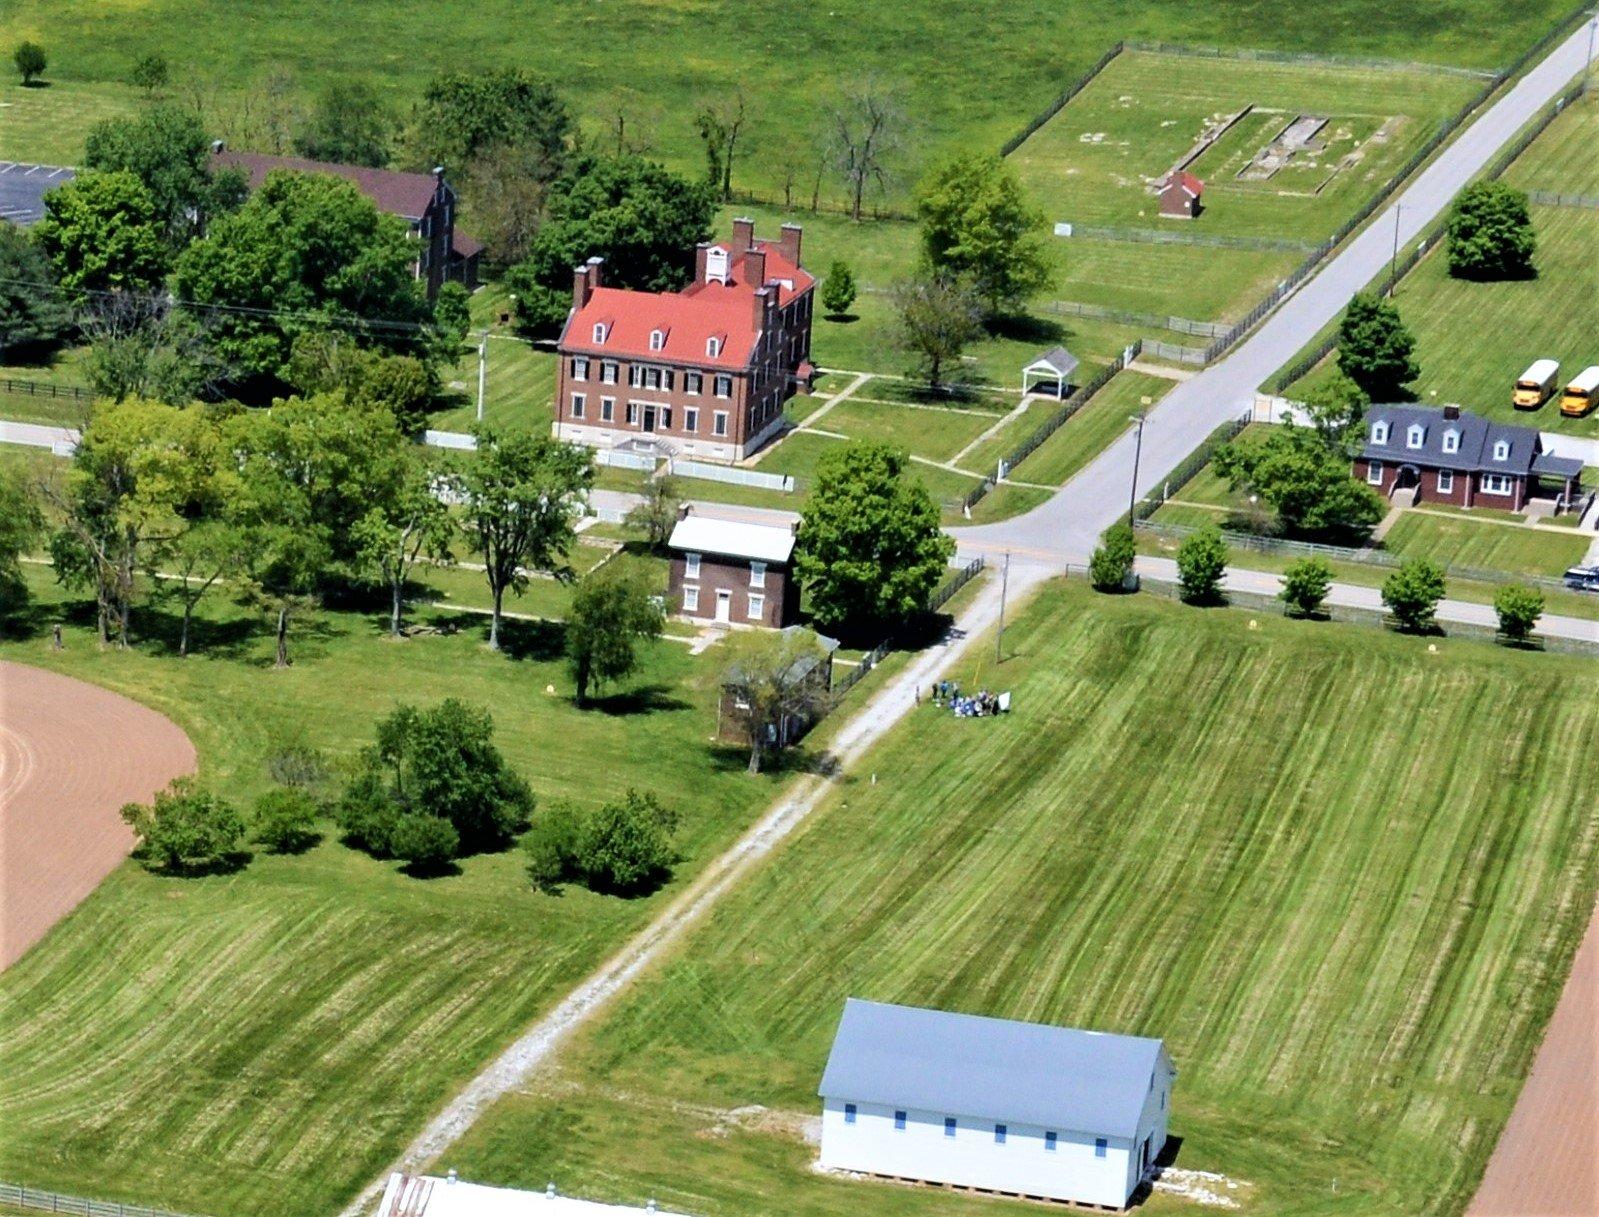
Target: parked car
(1583,578)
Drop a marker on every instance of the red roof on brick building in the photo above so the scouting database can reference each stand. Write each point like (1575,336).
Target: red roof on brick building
(1188,182)
(401,194)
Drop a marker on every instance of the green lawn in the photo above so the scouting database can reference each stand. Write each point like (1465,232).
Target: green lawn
(1459,541)
(799,452)
(1093,162)
(937,434)
(519,388)
(1562,159)
(650,62)
(47,125)
(265,1042)
(1200,283)
(1092,429)
(984,458)
(1224,836)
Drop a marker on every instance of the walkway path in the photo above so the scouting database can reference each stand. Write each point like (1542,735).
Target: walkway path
(1070,522)
(868,724)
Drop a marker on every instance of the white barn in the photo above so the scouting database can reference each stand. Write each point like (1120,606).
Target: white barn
(1013,1107)
(431,1196)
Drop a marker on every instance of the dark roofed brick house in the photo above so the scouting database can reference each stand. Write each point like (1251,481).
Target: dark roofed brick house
(425,201)
(1454,456)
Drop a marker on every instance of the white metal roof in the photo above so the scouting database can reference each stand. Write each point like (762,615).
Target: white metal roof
(732,539)
(430,1196)
(1541,370)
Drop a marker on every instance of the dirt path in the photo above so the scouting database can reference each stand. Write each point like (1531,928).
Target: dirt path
(1545,1162)
(71,754)
(539,1044)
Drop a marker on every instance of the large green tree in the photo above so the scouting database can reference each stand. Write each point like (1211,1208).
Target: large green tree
(979,225)
(406,522)
(935,318)
(641,218)
(773,680)
(1412,594)
(1490,233)
(1307,480)
(870,551)
(610,616)
(1375,350)
(522,496)
(166,148)
(21,527)
(464,114)
(305,252)
(348,124)
(103,232)
(32,313)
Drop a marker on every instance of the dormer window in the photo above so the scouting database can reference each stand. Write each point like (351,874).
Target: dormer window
(1415,435)
(599,331)
(1451,440)
(1379,433)
(657,339)
(713,347)
(1501,450)
(716,264)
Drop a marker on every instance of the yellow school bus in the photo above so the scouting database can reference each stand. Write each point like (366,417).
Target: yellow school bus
(1582,394)
(1536,385)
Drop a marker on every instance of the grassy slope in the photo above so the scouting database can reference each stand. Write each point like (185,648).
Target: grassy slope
(1484,546)
(1350,942)
(921,430)
(658,61)
(1562,159)
(264,1042)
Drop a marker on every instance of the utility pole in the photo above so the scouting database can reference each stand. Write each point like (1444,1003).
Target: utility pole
(1004,587)
(1138,452)
(482,371)
(1393,260)
(1587,64)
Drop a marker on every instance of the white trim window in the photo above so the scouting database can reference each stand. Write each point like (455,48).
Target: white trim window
(1446,481)
(1415,436)
(1501,484)
(1501,450)
(580,368)
(719,423)
(1374,472)
(757,608)
(757,574)
(608,372)
(599,332)
(635,376)
(724,386)
(691,566)
(691,599)
(579,400)
(1451,440)
(691,418)
(668,379)
(693,383)
(657,340)
(713,348)
(632,414)
(1379,432)
(652,378)
(607,409)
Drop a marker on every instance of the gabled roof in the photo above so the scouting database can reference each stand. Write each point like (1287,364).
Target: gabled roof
(1056,359)
(401,194)
(702,310)
(1191,185)
(732,539)
(1478,439)
(991,1068)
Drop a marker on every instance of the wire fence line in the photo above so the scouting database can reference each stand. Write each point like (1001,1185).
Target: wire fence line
(1059,102)
(1180,325)
(942,596)
(1307,58)
(1186,236)
(18,1196)
(1190,466)
(1549,198)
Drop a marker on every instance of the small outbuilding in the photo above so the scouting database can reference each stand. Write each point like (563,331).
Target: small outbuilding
(813,669)
(1021,1108)
(1181,196)
(732,571)
(1053,368)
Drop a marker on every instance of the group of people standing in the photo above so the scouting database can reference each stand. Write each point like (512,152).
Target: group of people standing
(975,705)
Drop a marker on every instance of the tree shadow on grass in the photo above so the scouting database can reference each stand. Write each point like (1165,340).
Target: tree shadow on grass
(1024,327)
(540,641)
(229,863)
(431,870)
(646,699)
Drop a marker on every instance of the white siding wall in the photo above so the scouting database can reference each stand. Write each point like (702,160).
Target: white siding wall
(1152,1121)
(972,1158)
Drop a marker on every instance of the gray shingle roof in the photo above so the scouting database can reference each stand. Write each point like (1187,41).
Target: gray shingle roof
(1550,465)
(1057,359)
(990,1068)
(1478,440)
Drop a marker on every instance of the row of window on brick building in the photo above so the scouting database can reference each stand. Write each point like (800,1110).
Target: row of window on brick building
(1001,1132)
(663,414)
(640,376)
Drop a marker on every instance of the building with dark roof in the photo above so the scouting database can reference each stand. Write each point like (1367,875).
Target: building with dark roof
(701,372)
(1451,455)
(425,201)
(1022,1108)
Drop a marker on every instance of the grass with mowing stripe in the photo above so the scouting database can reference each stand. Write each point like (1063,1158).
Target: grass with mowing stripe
(1561,159)
(1092,429)
(1187,828)
(265,1042)
(47,125)
(921,430)
(1460,541)
(984,457)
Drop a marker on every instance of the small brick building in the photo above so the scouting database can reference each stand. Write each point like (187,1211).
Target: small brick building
(1450,455)
(703,372)
(814,670)
(1181,196)
(732,572)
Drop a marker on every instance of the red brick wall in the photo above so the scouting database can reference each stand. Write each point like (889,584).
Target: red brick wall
(732,575)
(1467,490)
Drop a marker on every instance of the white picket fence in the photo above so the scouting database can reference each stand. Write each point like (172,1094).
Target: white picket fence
(733,476)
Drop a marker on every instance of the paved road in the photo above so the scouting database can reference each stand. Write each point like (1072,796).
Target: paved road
(36,435)
(1066,526)
(1348,595)
(22,189)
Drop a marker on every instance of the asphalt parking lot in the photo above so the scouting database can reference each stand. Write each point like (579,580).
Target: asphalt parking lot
(22,188)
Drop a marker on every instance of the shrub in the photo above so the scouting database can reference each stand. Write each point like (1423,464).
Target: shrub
(838,289)
(1412,594)
(1112,562)
(1201,563)
(366,814)
(185,829)
(1306,583)
(285,821)
(297,765)
(552,845)
(426,843)
(1490,233)
(1519,608)
(30,60)
(623,846)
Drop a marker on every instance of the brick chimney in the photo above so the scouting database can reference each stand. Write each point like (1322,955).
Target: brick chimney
(788,243)
(763,301)
(1452,410)
(700,252)
(585,279)
(755,268)
(743,234)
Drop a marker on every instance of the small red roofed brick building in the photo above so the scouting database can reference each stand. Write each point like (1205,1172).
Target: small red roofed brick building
(1181,196)
(703,372)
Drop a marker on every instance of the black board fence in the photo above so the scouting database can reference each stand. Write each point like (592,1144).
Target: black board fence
(1189,467)
(940,597)
(40,388)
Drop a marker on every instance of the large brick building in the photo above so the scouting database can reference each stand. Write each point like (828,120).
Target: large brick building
(425,201)
(703,372)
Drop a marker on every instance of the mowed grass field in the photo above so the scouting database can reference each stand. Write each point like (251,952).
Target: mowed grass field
(1484,545)
(1092,429)
(1562,159)
(1093,162)
(264,1042)
(1343,877)
(962,82)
